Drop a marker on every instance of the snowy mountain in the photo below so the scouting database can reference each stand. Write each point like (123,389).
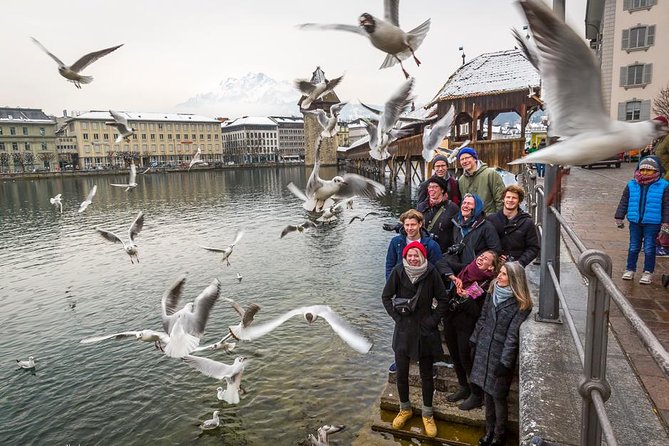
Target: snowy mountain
(254,94)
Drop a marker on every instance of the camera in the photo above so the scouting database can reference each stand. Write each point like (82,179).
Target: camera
(456,249)
(455,303)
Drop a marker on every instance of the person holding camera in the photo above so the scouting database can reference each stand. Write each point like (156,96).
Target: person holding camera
(407,298)
(438,212)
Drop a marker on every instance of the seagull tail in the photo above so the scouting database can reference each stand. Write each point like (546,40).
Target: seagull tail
(180,346)
(85,79)
(231,394)
(390,59)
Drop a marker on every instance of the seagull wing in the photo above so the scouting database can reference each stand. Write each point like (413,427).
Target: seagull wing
(209,248)
(391,11)
(296,191)
(349,335)
(249,314)
(91,193)
(136,226)
(332,83)
(170,301)
(238,237)
(109,236)
(196,321)
(436,135)
(529,53)
(58,61)
(376,111)
(354,219)
(396,105)
(370,213)
(256,331)
(305,86)
(571,74)
(358,185)
(333,27)
(89,58)
(209,367)
(372,131)
(119,118)
(122,335)
(335,109)
(315,182)
(133,174)
(322,118)
(57,197)
(288,229)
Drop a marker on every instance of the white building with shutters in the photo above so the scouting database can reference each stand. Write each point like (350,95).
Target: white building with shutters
(631,38)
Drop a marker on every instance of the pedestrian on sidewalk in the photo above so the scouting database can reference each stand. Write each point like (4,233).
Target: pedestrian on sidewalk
(645,201)
(407,297)
(496,335)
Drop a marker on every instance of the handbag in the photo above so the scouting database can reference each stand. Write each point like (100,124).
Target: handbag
(406,306)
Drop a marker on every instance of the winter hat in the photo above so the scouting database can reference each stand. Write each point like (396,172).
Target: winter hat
(649,163)
(467,150)
(439,157)
(442,183)
(662,119)
(415,244)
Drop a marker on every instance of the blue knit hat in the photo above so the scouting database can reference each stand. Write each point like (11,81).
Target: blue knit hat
(467,150)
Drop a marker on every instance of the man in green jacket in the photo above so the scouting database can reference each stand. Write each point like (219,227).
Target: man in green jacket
(481,180)
(662,149)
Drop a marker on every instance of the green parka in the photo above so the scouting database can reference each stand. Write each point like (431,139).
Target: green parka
(485,183)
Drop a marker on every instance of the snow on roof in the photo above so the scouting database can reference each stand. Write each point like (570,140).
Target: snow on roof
(249,120)
(146,116)
(359,142)
(26,115)
(287,119)
(490,73)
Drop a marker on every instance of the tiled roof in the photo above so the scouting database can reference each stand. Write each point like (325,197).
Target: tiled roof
(147,116)
(24,115)
(490,74)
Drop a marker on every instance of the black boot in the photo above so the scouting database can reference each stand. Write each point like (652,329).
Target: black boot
(472,402)
(498,440)
(486,439)
(462,393)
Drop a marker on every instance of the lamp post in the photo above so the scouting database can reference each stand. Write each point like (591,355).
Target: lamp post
(462,48)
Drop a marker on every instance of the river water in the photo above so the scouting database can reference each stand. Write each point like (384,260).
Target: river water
(61,282)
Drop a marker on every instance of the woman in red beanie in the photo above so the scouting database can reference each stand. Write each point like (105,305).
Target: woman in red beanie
(407,297)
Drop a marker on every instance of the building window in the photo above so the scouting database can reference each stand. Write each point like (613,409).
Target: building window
(161,136)
(44,146)
(105,136)
(193,136)
(85,135)
(2,146)
(160,126)
(12,130)
(26,146)
(143,135)
(96,136)
(42,131)
(630,5)
(636,75)
(634,110)
(640,37)
(153,136)
(95,126)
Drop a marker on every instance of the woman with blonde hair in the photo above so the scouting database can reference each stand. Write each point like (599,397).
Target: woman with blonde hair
(496,337)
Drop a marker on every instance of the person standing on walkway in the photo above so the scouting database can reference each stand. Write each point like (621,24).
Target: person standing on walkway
(541,167)
(496,335)
(416,336)
(479,179)
(440,166)
(412,229)
(645,201)
(438,212)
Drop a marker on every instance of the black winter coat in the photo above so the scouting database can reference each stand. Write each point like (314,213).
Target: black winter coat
(453,190)
(518,236)
(443,227)
(496,338)
(416,334)
(481,237)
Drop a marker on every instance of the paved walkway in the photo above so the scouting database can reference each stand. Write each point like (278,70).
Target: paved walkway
(589,203)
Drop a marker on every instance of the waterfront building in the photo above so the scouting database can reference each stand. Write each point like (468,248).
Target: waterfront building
(250,140)
(27,140)
(631,39)
(342,135)
(290,130)
(160,139)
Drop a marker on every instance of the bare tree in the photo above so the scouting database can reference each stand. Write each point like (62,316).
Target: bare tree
(46,157)
(661,102)
(4,161)
(20,160)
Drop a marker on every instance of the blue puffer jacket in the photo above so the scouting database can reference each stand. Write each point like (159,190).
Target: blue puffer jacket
(645,204)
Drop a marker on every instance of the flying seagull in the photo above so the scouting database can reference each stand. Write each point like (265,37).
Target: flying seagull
(454,153)
(211,424)
(362,218)
(56,201)
(132,182)
(315,91)
(329,122)
(386,35)
(121,124)
(71,73)
(197,158)
(29,364)
(433,135)
(310,314)
(573,93)
(158,338)
(232,374)
(307,224)
(226,251)
(323,433)
(185,327)
(239,277)
(246,318)
(130,247)
(89,199)
(330,213)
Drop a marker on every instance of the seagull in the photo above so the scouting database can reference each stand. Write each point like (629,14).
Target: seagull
(88,200)
(573,92)
(310,314)
(130,247)
(132,183)
(147,169)
(363,218)
(211,424)
(226,251)
(246,317)
(315,91)
(384,134)
(232,374)
(197,158)
(71,73)
(29,364)
(329,122)
(309,204)
(454,153)
(386,35)
(307,224)
(220,345)
(329,213)
(433,135)
(185,327)
(158,338)
(121,124)
(239,278)
(56,201)
(323,433)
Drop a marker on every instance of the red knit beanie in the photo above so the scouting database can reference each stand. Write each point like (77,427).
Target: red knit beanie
(415,244)
(662,119)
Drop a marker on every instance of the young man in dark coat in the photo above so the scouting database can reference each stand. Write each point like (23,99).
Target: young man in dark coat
(412,229)
(515,228)
(440,166)
(438,212)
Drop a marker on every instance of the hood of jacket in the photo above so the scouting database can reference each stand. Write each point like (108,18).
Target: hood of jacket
(480,167)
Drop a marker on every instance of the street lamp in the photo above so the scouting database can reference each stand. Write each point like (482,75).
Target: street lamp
(462,48)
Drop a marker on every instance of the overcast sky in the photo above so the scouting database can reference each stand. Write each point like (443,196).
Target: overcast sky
(174,50)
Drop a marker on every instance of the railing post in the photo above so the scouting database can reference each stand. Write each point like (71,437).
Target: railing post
(549,304)
(596,343)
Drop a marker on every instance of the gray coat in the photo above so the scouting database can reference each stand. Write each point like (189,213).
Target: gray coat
(496,339)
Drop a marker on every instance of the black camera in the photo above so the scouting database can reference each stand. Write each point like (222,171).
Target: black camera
(456,303)
(456,249)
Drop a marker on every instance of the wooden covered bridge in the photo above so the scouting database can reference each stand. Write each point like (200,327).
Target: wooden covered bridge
(479,91)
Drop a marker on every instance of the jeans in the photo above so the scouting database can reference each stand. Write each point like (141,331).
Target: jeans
(541,170)
(645,233)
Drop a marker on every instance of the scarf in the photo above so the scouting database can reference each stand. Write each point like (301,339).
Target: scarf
(646,179)
(501,294)
(471,273)
(414,272)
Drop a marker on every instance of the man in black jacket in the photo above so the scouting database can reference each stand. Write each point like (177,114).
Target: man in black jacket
(440,166)
(438,212)
(515,228)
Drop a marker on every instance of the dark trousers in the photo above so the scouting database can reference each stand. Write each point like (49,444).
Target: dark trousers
(457,341)
(426,378)
(496,414)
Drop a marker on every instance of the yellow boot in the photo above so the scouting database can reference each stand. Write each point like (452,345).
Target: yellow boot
(401,418)
(430,427)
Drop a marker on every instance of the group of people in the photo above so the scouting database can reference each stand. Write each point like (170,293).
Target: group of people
(459,260)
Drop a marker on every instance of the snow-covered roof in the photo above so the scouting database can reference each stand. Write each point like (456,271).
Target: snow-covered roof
(24,115)
(145,116)
(287,119)
(249,120)
(489,74)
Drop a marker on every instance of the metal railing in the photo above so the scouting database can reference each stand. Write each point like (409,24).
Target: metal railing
(595,265)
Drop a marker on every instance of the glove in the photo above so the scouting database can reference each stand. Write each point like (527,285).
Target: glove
(502,370)
(620,223)
(392,227)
